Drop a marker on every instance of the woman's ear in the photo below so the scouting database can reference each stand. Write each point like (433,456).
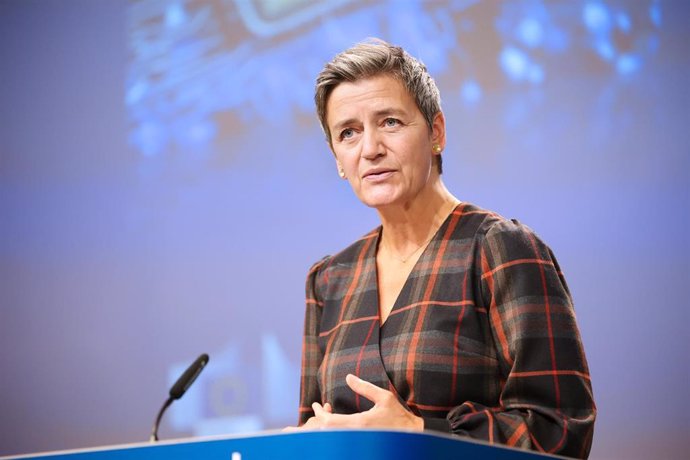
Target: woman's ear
(341,171)
(438,132)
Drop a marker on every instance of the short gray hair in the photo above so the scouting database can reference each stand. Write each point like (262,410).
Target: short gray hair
(371,58)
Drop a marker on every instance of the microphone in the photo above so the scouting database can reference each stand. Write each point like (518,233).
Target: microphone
(179,388)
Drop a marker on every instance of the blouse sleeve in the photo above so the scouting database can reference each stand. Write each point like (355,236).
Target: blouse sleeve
(311,353)
(546,402)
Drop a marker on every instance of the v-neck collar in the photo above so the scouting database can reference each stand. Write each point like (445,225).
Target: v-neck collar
(371,259)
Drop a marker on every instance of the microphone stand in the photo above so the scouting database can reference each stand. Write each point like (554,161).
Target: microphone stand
(179,388)
(154,430)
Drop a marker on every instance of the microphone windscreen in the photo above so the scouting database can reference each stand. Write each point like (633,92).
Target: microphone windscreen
(186,379)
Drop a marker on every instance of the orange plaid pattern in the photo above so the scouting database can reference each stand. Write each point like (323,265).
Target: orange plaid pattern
(482,340)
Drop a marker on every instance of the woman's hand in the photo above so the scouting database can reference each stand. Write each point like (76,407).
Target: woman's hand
(311,423)
(386,413)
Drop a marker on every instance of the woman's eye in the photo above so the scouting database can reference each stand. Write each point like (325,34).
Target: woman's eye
(391,122)
(346,133)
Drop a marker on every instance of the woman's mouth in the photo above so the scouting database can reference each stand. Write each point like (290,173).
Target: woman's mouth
(378,175)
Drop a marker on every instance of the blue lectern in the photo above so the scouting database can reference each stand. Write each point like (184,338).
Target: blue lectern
(306,445)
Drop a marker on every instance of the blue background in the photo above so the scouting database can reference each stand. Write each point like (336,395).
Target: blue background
(164,188)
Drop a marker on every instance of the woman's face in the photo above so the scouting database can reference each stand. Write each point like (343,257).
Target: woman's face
(381,141)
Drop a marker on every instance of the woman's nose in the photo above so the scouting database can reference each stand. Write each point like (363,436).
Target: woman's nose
(371,145)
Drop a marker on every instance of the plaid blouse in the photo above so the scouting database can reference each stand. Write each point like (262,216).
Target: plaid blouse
(482,340)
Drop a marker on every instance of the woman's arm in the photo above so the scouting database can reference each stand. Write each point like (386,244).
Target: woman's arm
(546,403)
(311,354)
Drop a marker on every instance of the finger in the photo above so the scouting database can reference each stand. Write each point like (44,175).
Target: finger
(342,421)
(311,424)
(327,407)
(319,410)
(366,389)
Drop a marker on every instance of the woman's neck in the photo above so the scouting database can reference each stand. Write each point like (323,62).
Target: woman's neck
(409,226)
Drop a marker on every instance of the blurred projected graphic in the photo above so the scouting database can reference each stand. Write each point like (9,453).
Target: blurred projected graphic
(271,17)
(238,392)
(200,71)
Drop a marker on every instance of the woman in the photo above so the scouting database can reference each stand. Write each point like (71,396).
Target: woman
(446,317)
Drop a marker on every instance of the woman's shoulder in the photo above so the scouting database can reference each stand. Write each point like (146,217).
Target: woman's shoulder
(347,257)
(476,221)
(509,238)
(481,224)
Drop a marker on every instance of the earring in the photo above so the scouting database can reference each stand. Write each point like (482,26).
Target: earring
(436,148)
(341,173)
